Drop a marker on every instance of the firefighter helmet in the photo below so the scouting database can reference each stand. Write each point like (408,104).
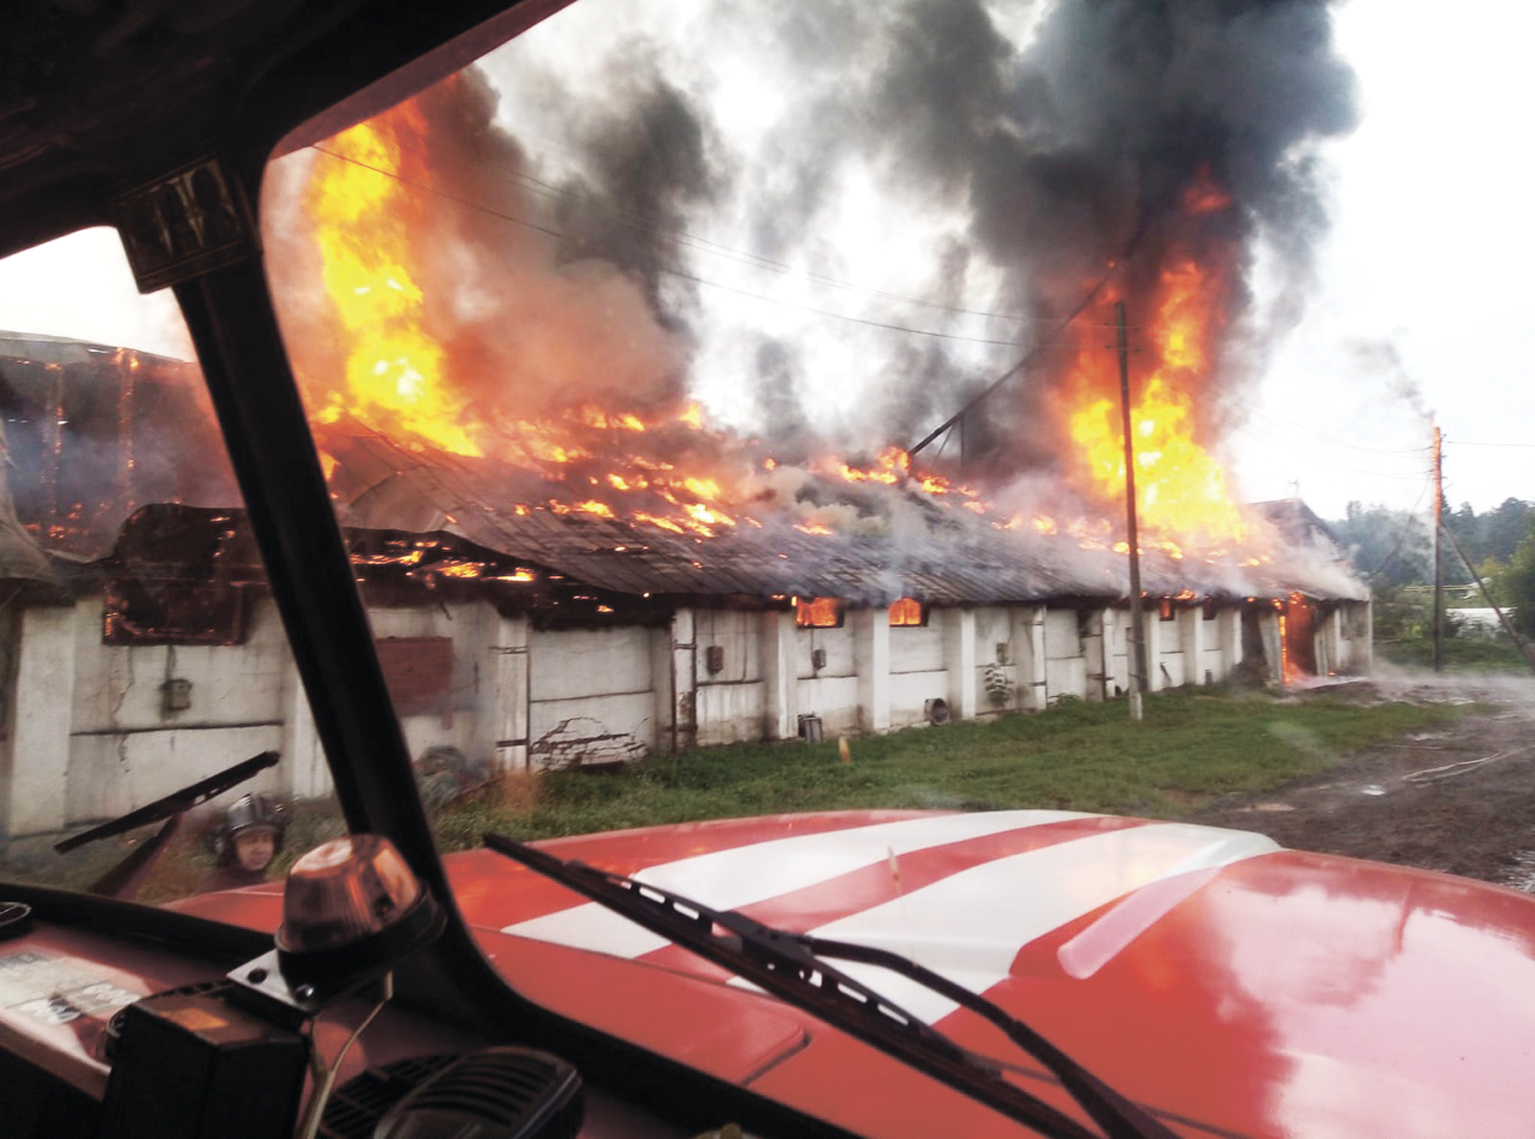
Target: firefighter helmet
(247,813)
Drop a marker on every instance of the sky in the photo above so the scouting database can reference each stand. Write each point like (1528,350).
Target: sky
(1410,314)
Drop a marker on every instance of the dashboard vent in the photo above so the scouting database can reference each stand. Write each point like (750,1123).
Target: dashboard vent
(500,1093)
(357,1105)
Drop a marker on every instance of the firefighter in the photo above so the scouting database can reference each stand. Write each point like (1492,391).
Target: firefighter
(244,840)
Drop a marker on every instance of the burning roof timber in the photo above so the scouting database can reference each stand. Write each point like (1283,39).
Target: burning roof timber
(893,541)
(83,470)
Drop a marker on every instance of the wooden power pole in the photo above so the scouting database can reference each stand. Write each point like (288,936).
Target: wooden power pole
(1137,618)
(1438,552)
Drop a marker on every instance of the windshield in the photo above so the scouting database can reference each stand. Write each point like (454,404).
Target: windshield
(141,650)
(692,376)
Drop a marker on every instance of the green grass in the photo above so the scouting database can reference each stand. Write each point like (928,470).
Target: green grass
(1190,747)
(1460,654)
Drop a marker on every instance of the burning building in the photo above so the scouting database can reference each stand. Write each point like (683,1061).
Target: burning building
(569,557)
(525,633)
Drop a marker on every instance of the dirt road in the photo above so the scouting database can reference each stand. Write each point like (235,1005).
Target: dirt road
(1460,800)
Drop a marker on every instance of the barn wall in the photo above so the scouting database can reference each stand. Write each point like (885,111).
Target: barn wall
(831,690)
(1165,658)
(527,698)
(729,705)
(126,749)
(919,648)
(592,696)
(1065,665)
(996,674)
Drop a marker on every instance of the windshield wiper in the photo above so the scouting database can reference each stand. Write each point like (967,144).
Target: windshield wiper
(794,968)
(124,879)
(174,803)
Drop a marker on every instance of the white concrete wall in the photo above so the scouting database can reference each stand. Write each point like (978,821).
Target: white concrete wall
(995,655)
(126,750)
(831,691)
(834,699)
(1117,642)
(780,681)
(1065,666)
(730,713)
(729,705)
(33,783)
(918,669)
(592,697)
(1028,649)
(1214,650)
(918,648)
(521,697)
(1166,642)
(739,634)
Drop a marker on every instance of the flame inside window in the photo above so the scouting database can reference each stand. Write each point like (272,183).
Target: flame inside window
(817,613)
(907,611)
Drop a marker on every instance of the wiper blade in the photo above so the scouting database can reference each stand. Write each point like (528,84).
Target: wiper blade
(174,803)
(794,968)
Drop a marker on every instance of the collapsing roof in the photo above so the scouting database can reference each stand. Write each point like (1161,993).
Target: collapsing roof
(83,418)
(903,543)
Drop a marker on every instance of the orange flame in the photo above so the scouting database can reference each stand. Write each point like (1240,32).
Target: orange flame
(368,197)
(1180,486)
(363,214)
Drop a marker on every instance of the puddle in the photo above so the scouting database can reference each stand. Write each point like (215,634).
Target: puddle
(1372,789)
(1521,875)
(1273,807)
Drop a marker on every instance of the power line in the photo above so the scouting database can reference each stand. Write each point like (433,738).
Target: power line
(1258,430)
(674,272)
(1025,361)
(647,224)
(1402,532)
(1310,434)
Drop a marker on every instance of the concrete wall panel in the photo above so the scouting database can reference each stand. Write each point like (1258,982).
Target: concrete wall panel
(918,648)
(834,699)
(910,692)
(838,644)
(591,729)
(111,774)
(739,635)
(730,713)
(574,663)
(118,686)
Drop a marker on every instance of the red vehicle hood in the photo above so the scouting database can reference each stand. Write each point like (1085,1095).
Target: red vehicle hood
(1233,987)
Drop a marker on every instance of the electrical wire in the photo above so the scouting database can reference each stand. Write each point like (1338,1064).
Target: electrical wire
(1277,441)
(1312,435)
(1025,361)
(325,1078)
(1402,533)
(673,271)
(650,225)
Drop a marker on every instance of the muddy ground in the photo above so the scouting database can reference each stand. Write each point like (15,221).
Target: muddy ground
(1460,800)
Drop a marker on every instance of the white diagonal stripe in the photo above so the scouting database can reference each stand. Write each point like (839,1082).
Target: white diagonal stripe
(743,876)
(970,926)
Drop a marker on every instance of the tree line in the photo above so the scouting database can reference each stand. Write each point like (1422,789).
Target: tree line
(1393,550)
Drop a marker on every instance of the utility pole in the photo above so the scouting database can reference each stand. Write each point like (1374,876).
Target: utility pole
(1438,551)
(1137,619)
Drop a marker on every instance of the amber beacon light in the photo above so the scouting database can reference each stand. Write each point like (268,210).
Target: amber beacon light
(351,910)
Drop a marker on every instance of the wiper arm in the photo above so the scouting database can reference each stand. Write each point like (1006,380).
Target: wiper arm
(174,803)
(794,968)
